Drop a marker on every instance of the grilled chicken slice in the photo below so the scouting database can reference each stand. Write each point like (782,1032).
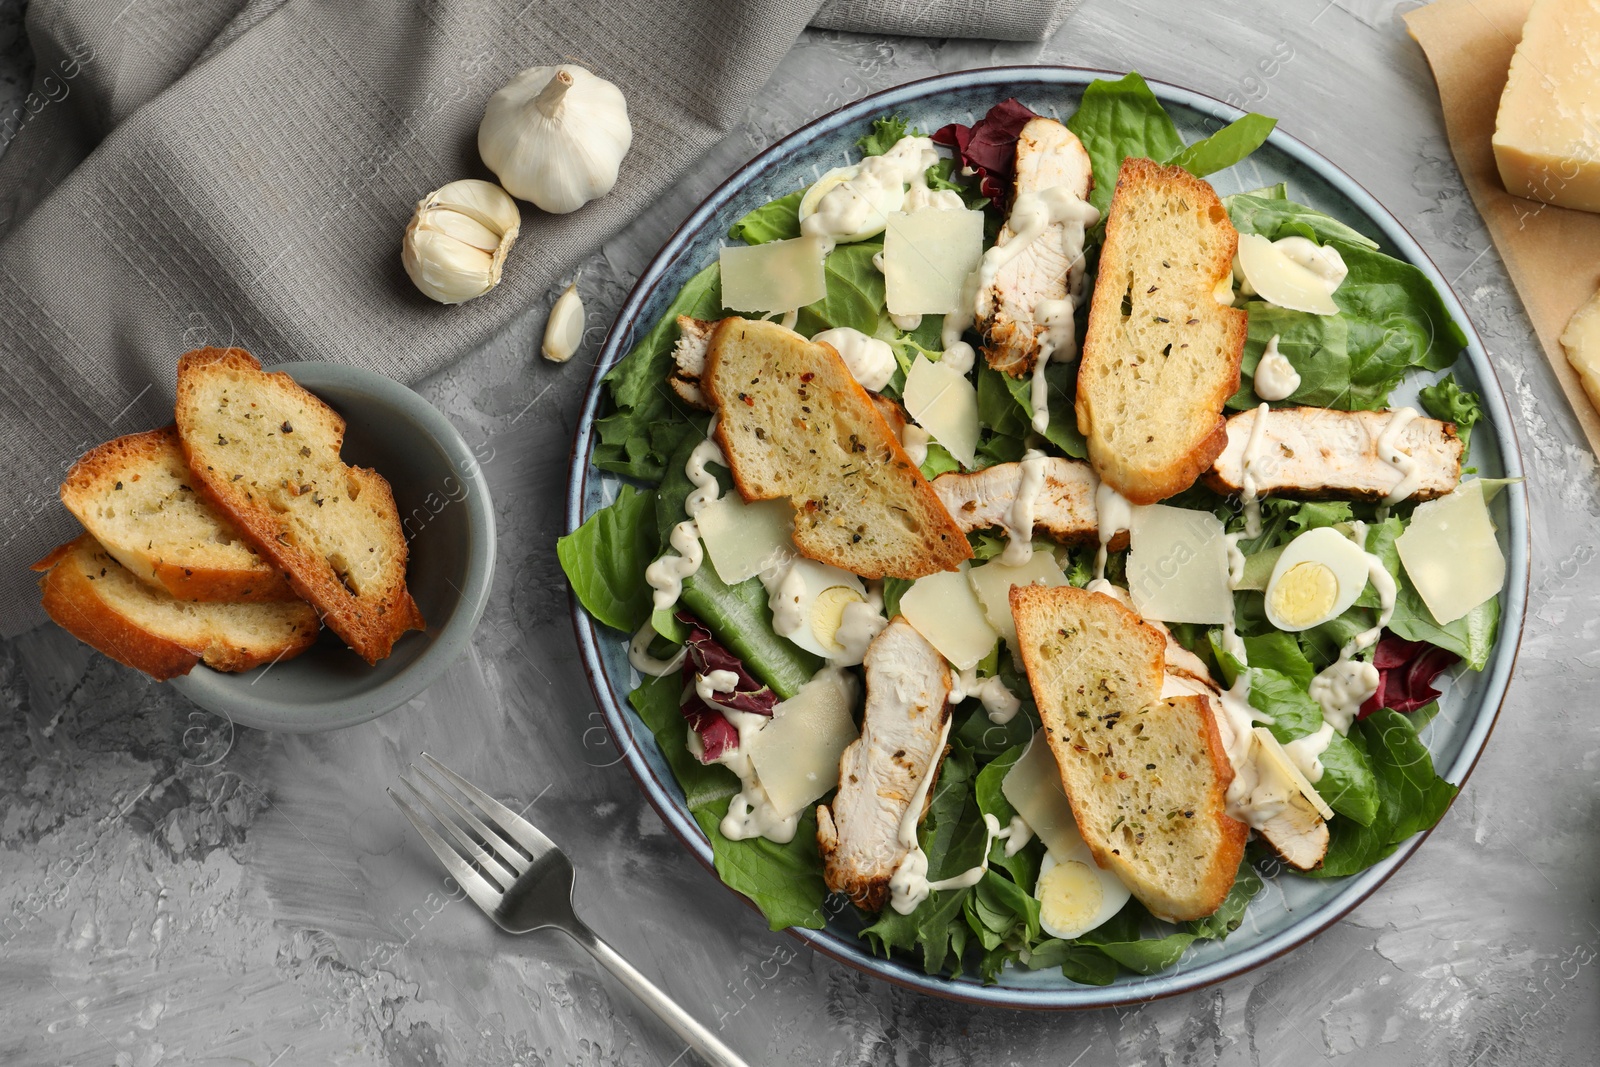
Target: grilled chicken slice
(1297,834)
(1048,155)
(689,360)
(1319,452)
(1064,509)
(908,701)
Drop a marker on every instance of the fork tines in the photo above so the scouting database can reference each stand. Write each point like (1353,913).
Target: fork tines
(496,844)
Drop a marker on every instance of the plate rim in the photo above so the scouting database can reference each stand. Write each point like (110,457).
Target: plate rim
(1355,889)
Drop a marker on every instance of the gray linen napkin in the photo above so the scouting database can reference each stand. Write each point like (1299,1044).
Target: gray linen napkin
(240,171)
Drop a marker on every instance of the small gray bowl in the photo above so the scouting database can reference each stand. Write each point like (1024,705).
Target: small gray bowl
(449,523)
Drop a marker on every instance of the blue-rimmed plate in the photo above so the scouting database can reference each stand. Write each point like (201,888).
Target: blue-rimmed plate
(1291,909)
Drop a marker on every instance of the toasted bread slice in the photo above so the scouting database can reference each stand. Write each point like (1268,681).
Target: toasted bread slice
(137,497)
(267,453)
(1161,356)
(794,423)
(97,600)
(1147,778)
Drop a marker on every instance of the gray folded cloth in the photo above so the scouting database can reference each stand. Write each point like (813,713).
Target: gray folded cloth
(239,172)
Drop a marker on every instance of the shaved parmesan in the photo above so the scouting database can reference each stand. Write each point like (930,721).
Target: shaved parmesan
(1275,760)
(1178,565)
(1280,280)
(927,256)
(992,583)
(943,608)
(745,539)
(776,276)
(1450,553)
(796,755)
(944,402)
(1033,786)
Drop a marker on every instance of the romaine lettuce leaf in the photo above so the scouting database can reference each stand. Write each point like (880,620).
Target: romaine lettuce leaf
(605,559)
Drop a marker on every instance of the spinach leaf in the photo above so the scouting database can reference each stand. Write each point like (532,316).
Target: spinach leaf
(1412,796)
(1270,213)
(1471,637)
(1061,380)
(1448,401)
(605,559)
(1117,119)
(784,881)
(1226,147)
(1022,866)
(855,292)
(1279,652)
(1318,346)
(776,220)
(648,420)
(1347,780)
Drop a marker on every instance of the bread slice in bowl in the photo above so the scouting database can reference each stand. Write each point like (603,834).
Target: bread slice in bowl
(266,452)
(97,600)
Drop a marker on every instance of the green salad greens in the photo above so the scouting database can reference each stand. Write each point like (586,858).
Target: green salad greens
(1378,777)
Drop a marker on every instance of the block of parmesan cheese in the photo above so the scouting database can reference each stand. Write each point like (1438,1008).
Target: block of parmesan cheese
(1581,339)
(1547,133)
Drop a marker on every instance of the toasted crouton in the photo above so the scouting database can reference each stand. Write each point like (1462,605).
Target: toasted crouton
(794,423)
(137,497)
(1147,777)
(94,598)
(1161,356)
(267,453)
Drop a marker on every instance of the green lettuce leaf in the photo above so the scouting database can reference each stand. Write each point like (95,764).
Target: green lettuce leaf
(776,220)
(855,292)
(648,421)
(605,559)
(784,881)
(1118,119)
(1062,382)
(1347,782)
(656,701)
(1448,401)
(1226,147)
(885,132)
(1270,213)
(1412,796)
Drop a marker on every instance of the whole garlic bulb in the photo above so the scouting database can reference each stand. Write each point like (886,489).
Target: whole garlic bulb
(555,136)
(458,238)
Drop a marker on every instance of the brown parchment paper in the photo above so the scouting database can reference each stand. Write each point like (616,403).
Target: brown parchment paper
(1551,253)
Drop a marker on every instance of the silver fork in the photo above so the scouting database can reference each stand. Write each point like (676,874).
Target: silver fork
(524,882)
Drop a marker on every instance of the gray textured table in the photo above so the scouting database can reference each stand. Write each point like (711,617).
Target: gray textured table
(175,891)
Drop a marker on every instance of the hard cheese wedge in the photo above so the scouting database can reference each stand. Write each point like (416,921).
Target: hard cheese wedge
(1546,140)
(943,609)
(1450,553)
(1581,339)
(745,539)
(776,276)
(927,256)
(1178,566)
(796,755)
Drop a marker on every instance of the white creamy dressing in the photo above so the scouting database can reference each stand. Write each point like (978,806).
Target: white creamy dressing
(1344,686)
(1031,216)
(1306,752)
(708,685)
(914,439)
(1247,478)
(1235,559)
(642,661)
(870,361)
(750,812)
(665,576)
(1322,260)
(1275,378)
(1000,703)
(1018,519)
(786,588)
(1017,834)
(1389,452)
(859,624)
(878,188)
(1113,514)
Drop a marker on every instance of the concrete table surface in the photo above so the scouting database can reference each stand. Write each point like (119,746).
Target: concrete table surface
(174,890)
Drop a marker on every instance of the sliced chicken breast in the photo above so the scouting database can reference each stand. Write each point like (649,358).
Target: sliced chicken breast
(1048,155)
(1064,509)
(1319,452)
(689,360)
(908,701)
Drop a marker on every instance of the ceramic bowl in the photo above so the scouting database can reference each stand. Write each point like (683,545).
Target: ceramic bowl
(1291,909)
(449,523)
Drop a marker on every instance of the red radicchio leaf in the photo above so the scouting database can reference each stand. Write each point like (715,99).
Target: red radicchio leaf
(989,146)
(1406,670)
(718,736)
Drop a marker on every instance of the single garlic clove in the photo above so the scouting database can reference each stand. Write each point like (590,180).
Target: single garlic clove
(458,239)
(555,136)
(563,332)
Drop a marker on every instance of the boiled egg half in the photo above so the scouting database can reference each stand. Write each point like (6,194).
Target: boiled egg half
(808,604)
(1075,895)
(861,207)
(1318,576)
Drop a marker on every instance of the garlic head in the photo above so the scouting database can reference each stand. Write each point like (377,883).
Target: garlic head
(563,331)
(555,136)
(458,238)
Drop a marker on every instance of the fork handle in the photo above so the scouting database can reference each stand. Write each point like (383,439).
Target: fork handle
(701,1040)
